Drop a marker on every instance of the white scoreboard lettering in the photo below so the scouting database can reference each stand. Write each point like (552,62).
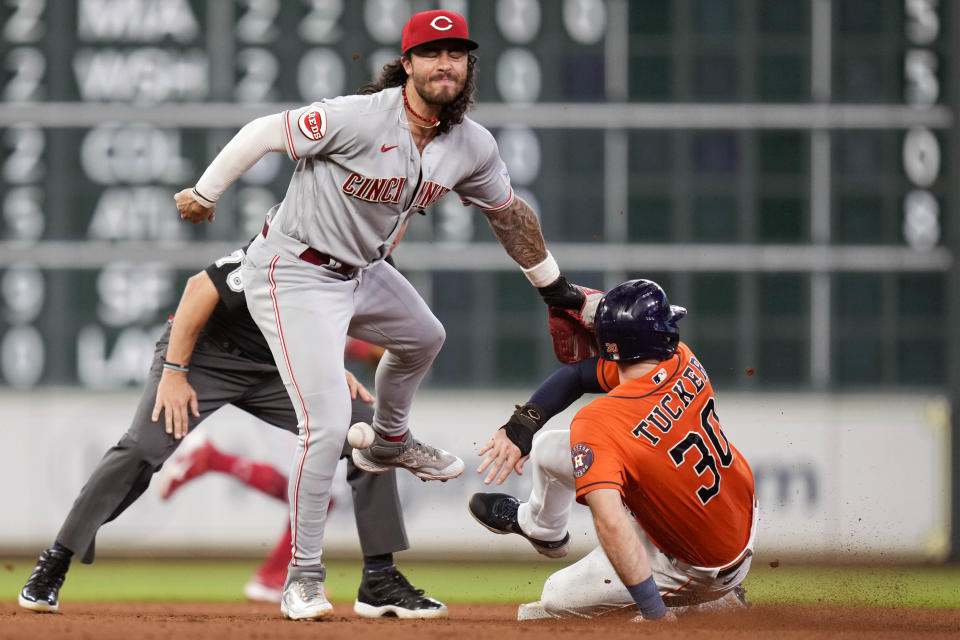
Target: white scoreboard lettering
(135,97)
(921,149)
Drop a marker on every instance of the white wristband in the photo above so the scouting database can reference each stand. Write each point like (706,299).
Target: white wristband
(547,272)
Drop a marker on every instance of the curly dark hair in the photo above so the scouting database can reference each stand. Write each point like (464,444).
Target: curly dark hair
(394,75)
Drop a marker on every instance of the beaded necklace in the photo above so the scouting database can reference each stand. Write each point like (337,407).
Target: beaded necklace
(431,122)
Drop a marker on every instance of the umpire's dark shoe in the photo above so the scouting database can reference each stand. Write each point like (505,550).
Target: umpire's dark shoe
(387,593)
(42,588)
(498,512)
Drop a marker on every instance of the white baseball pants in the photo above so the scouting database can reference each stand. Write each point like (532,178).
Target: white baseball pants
(305,313)
(590,586)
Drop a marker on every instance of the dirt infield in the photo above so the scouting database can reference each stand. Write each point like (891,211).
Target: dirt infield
(186,621)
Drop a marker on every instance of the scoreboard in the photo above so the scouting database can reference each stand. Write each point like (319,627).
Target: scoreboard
(782,167)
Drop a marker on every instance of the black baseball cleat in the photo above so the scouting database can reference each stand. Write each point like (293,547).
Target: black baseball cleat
(386,593)
(43,587)
(498,513)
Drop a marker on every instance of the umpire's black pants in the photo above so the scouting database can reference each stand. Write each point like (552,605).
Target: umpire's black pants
(220,375)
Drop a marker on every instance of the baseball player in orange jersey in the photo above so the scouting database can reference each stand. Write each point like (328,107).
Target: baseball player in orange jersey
(365,164)
(672,499)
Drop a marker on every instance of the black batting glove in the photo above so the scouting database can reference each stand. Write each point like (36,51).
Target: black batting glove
(563,294)
(521,426)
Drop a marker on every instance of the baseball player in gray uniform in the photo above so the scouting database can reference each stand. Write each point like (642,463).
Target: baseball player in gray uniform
(212,354)
(365,163)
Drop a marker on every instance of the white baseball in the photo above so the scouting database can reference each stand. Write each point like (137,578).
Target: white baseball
(360,435)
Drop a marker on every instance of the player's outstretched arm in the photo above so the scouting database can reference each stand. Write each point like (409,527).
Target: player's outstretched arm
(518,229)
(619,539)
(174,394)
(257,138)
(617,536)
(509,448)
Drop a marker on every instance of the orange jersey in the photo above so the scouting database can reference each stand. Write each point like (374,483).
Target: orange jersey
(657,440)
(608,375)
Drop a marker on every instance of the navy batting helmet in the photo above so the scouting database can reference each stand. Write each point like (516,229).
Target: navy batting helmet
(635,321)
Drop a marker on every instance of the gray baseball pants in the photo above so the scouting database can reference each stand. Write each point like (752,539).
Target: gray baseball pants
(305,312)
(220,375)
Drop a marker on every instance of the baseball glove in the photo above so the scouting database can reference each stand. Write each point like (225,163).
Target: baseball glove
(580,302)
(572,341)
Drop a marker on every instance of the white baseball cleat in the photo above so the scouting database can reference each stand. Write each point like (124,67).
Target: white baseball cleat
(304,599)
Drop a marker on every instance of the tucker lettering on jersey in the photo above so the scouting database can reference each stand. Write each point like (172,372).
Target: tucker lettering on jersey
(374,189)
(671,406)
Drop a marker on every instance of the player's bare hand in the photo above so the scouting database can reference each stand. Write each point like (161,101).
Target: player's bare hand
(192,210)
(357,389)
(502,457)
(175,397)
(669,617)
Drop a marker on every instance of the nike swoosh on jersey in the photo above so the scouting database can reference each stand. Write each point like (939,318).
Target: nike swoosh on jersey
(384,147)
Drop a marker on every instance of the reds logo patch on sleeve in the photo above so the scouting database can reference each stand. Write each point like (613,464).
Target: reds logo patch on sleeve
(582,457)
(313,124)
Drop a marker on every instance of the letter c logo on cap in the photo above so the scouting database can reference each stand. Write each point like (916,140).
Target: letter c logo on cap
(442,23)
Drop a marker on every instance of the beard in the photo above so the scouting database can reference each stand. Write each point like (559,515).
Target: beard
(442,95)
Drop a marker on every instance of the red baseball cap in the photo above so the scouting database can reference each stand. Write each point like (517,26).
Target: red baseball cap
(430,26)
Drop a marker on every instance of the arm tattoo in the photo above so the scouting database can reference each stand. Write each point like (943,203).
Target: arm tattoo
(518,230)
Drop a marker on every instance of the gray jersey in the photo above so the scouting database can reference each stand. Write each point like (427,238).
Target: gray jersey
(358,177)
(359,174)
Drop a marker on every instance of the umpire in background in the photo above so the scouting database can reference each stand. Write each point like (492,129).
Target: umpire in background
(212,354)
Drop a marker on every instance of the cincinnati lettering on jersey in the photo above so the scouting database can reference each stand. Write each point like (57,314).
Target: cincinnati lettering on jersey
(671,406)
(429,193)
(373,189)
